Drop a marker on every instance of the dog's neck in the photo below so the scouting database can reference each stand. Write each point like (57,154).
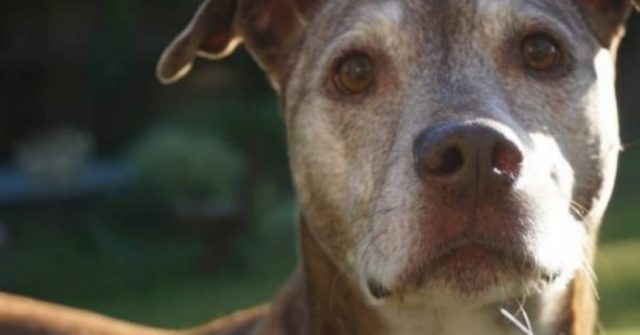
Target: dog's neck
(320,300)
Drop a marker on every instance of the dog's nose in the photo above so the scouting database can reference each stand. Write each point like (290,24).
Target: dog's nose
(468,154)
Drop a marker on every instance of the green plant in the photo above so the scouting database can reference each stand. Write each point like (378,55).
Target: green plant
(184,164)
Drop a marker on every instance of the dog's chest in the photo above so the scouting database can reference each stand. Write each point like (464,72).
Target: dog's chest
(430,321)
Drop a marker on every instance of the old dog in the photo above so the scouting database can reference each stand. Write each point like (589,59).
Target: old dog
(453,160)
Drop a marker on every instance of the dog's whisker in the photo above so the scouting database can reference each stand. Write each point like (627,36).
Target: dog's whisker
(601,329)
(380,213)
(591,278)
(360,267)
(589,269)
(514,320)
(579,210)
(525,315)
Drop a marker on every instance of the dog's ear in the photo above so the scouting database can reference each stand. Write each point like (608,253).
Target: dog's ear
(267,27)
(210,34)
(607,18)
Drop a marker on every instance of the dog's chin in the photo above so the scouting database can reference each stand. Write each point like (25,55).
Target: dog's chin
(470,274)
(468,271)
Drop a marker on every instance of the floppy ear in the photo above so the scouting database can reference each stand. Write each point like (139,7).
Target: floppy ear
(267,27)
(211,34)
(607,17)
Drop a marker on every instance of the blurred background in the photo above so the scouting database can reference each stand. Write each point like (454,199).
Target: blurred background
(173,205)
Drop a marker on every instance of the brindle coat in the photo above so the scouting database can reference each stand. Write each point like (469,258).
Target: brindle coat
(365,215)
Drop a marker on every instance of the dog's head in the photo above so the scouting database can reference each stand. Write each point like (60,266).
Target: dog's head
(441,150)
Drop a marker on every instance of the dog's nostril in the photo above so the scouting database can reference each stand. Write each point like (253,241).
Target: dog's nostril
(377,290)
(445,163)
(506,157)
(458,154)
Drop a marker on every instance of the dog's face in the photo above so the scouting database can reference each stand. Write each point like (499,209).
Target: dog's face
(400,115)
(441,150)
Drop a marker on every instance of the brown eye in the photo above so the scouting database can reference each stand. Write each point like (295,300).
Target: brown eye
(354,74)
(540,52)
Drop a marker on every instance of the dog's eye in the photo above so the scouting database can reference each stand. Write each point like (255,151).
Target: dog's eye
(540,52)
(354,74)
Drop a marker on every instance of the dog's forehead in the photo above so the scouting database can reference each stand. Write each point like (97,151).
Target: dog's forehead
(432,14)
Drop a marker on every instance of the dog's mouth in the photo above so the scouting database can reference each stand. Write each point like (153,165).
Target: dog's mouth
(471,266)
(467,267)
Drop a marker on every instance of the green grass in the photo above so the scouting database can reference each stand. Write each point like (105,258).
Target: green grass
(185,303)
(627,331)
(618,269)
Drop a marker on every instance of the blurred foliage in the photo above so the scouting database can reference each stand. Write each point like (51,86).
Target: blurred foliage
(56,156)
(181,163)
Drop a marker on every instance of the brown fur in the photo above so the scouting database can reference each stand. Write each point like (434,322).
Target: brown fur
(583,313)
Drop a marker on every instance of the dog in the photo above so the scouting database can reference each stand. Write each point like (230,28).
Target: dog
(452,159)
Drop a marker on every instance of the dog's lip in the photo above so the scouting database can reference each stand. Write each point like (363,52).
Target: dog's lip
(493,260)
(466,244)
(502,254)
(467,251)
(439,266)
(487,258)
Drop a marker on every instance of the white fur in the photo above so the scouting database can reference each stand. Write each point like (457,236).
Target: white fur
(446,321)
